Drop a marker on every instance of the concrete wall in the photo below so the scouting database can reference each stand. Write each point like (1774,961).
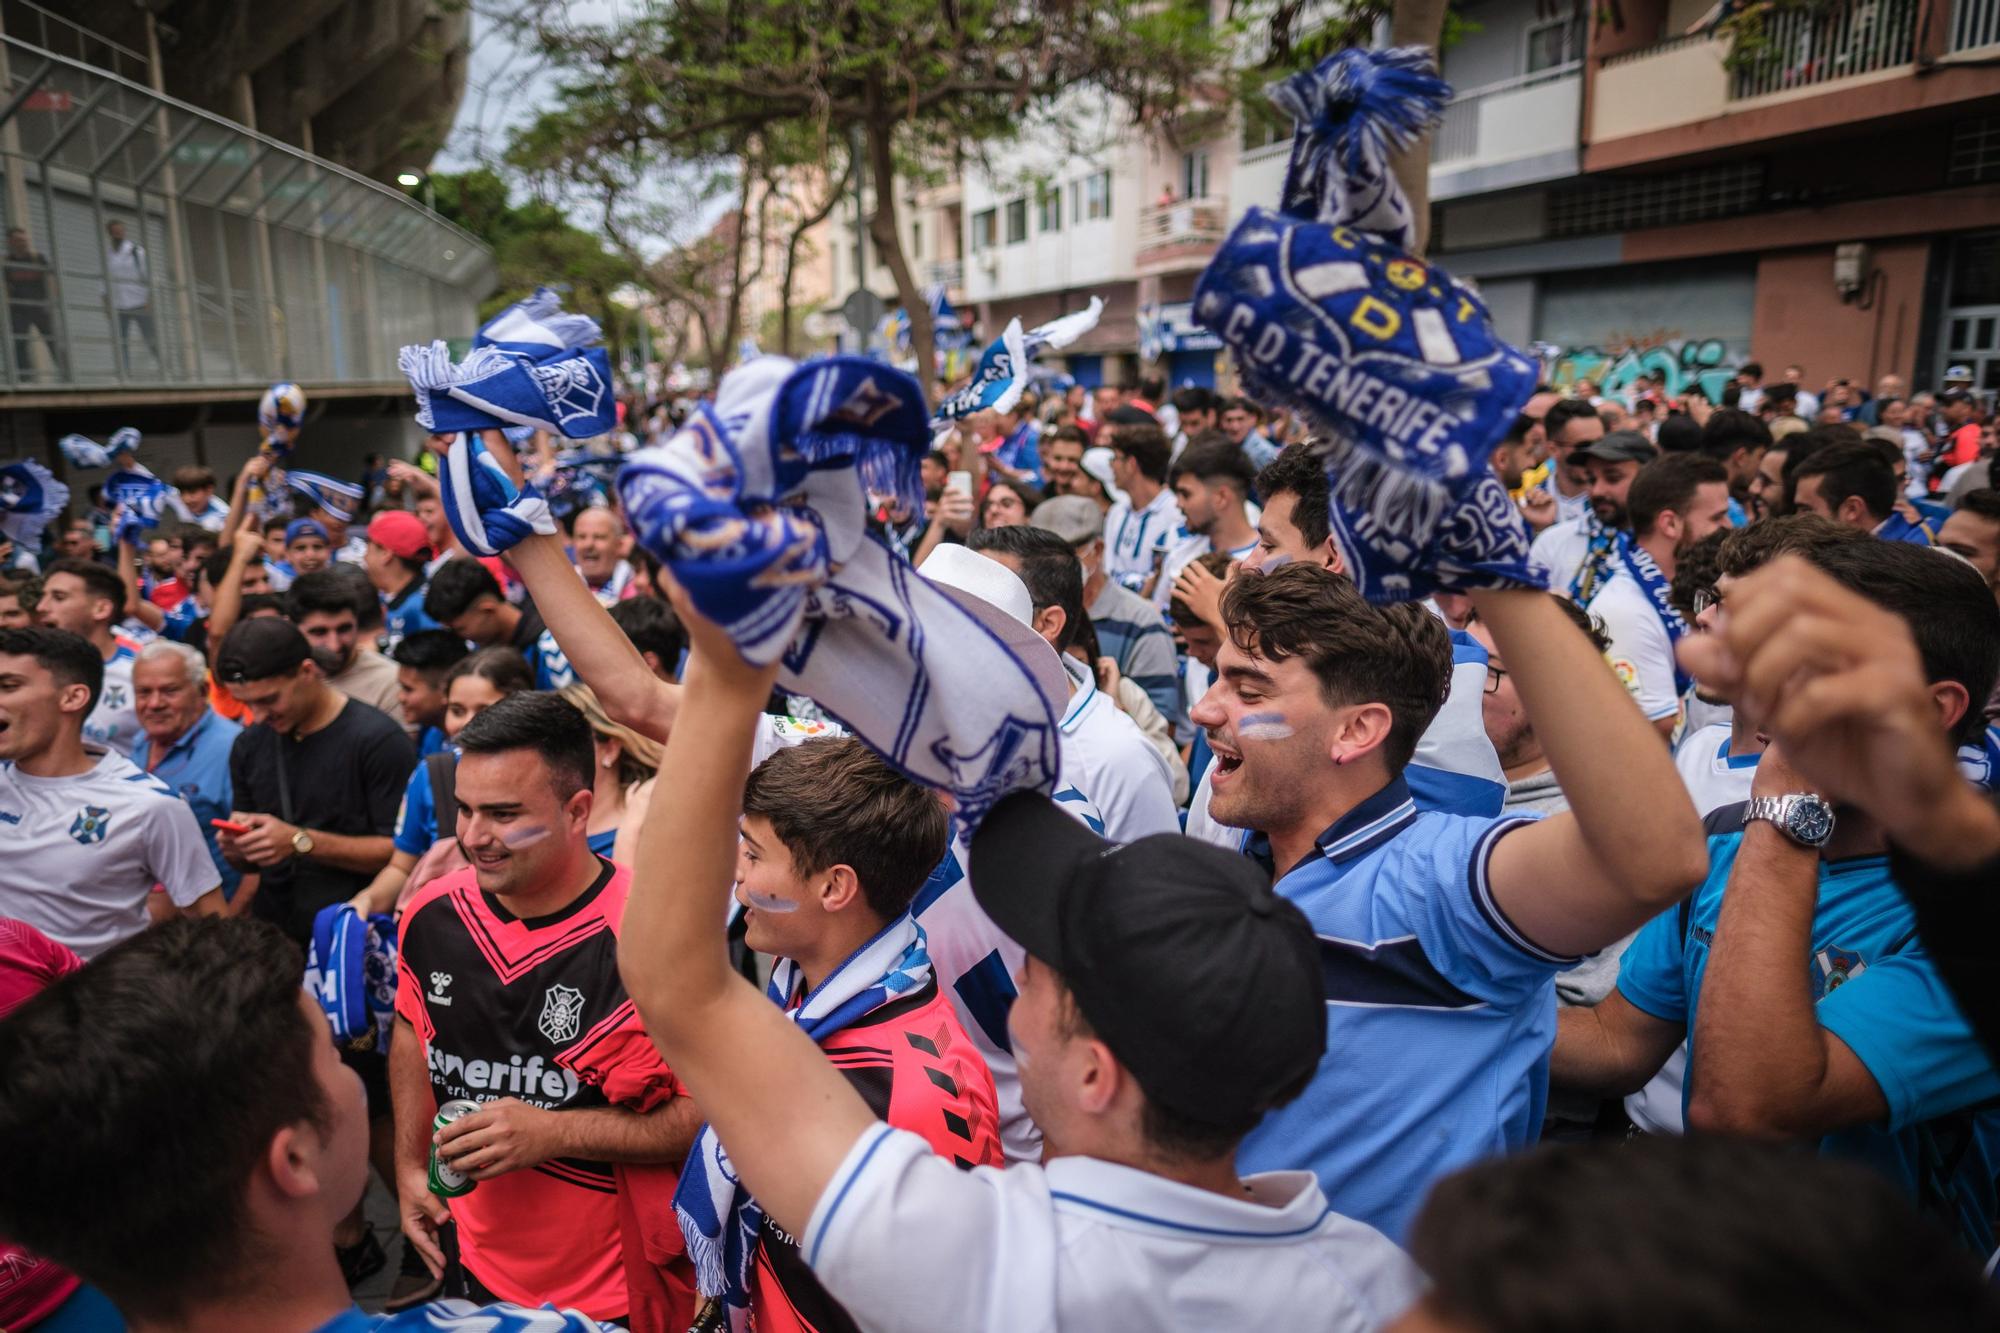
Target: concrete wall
(1675,86)
(1800,318)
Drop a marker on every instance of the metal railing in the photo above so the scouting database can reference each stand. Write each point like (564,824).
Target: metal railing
(945,273)
(1802,47)
(1974,23)
(1457,136)
(1183,222)
(49,31)
(250,261)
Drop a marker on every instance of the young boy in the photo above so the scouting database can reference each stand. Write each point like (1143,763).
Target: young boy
(835,846)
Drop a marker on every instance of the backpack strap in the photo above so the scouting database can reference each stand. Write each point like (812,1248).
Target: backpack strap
(443,766)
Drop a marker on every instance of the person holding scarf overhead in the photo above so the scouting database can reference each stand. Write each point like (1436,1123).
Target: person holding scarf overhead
(1674,502)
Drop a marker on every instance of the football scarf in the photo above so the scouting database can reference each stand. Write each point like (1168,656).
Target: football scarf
(351,972)
(1393,359)
(342,499)
(30,496)
(1003,370)
(1659,593)
(718,1217)
(531,365)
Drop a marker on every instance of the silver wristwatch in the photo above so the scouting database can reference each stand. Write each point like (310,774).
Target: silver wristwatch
(1804,818)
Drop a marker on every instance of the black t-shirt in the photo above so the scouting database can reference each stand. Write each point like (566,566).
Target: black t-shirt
(345,778)
(27,279)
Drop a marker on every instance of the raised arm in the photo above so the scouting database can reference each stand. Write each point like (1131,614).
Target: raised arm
(135,603)
(1630,845)
(228,609)
(603,657)
(786,1116)
(255,468)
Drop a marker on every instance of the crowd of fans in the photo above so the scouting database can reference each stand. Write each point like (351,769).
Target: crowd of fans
(1339,910)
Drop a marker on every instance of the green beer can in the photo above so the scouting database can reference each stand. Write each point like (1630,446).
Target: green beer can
(445,1182)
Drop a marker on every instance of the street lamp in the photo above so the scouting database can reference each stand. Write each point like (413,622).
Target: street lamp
(410,179)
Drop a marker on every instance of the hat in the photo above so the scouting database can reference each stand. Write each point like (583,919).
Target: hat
(1618,446)
(260,649)
(1074,518)
(1096,464)
(995,596)
(1204,983)
(1947,397)
(1958,373)
(306,527)
(402,533)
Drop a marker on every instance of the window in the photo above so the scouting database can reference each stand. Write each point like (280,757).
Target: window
(1194,174)
(1017,220)
(1049,206)
(985,230)
(1555,43)
(1097,195)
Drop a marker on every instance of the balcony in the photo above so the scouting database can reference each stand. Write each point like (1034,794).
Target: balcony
(1804,47)
(1180,235)
(1518,131)
(946,273)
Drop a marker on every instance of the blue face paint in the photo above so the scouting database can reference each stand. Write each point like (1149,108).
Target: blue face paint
(764,902)
(1263,727)
(515,839)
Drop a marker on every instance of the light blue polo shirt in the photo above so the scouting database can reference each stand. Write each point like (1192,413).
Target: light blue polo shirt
(1440,1014)
(1874,987)
(197,767)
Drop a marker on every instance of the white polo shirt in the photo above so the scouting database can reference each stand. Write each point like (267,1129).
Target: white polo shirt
(1559,549)
(1134,538)
(1714,777)
(81,853)
(906,1241)
(1105,755)
(1641,652)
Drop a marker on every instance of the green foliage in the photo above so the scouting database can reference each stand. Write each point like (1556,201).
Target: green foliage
(533,244)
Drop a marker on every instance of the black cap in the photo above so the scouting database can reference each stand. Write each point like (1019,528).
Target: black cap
(1204,983)
(1618,446)
(260,649)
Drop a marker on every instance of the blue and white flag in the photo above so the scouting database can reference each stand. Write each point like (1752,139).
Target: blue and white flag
(340,498)
(30,496)
(140,501)
(124,440)
(82,451)
(720,1220)
(1003,370)
(531,365)
(759,506)
(1392,358)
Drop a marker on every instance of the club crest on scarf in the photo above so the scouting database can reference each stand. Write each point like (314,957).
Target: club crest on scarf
(759,507)
(531,365)
(280,413)
(1392,358)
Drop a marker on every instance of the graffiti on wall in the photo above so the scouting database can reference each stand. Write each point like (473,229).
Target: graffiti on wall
(1677,364)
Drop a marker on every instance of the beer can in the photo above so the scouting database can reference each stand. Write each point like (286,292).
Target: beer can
(445,1182)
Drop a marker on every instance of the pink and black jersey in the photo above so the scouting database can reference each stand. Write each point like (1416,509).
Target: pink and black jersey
(533,1010)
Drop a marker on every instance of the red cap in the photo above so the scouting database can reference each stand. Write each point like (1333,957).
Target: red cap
(402,533)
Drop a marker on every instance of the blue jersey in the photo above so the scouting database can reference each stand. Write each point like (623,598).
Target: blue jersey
(430,742)
(403,615)
(1877,990)
(1896,528)
(1440,1014)
(181,619)
(552,669)
(416,821)
(465,1317)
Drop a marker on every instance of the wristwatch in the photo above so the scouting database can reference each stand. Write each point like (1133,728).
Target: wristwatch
(1804,818)
(302,843)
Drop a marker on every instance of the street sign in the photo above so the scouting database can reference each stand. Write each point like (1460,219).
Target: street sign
(863,311)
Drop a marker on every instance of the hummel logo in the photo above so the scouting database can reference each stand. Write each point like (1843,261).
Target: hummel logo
(439,980)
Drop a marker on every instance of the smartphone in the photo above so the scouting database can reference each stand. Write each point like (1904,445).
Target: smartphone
(958,481)
(229,826)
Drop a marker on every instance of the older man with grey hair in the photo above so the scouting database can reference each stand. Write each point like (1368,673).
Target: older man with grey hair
(183,742)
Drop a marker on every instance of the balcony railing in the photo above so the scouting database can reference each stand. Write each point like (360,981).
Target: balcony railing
(1477,120)
(945,273)
(1804,47)
(1182,222)
(261,262)
(1974,24)
(31,23)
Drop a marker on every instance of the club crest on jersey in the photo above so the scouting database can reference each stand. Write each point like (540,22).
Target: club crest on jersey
(562,1013)
(1833,968)
(91,824)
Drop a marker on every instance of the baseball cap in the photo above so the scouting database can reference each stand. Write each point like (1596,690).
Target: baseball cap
(401,534)
(1203,982)
(1096,464)
(1958,373)
(1618,446)
(995,596)
(260,649)
(1070,517)
(306,527)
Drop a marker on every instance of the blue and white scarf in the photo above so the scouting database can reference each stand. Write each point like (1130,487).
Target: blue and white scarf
(759,506)
(30,496)
(351,973)
(340,498)
(1604,545)
(718,1217)
(1394,359)
(1003,370)
(1659,592)
(531,365)
(83,452)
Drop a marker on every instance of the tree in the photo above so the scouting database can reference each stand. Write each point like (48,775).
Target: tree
(910,80)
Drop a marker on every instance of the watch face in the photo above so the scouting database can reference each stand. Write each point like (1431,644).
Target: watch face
(1811,821)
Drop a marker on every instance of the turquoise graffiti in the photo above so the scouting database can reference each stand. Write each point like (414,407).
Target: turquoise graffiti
(1677,364)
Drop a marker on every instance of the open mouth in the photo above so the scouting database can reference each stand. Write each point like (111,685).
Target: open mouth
(1227,761)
